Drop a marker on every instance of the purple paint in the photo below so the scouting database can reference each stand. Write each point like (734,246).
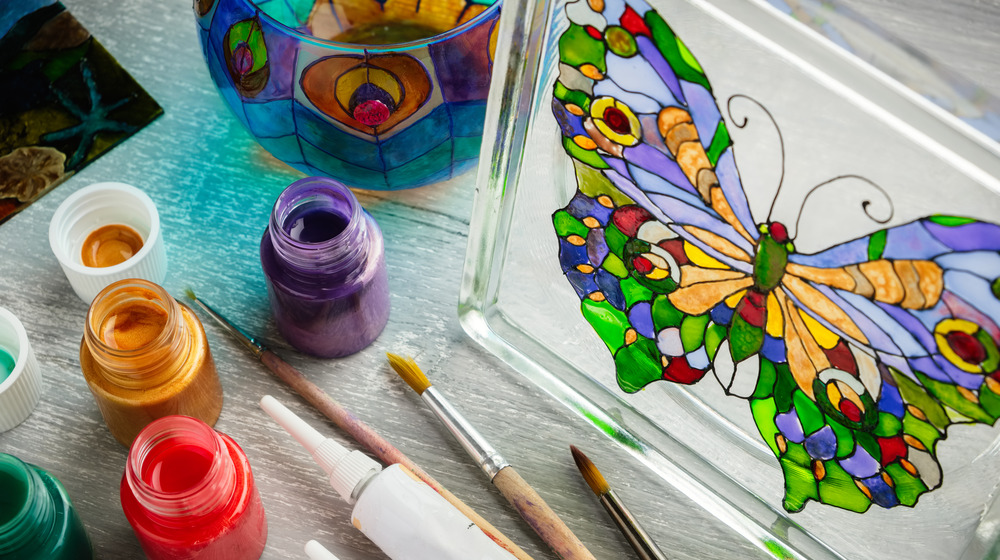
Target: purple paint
(642,319)
(597,246)
(243,59)
(822,444)
(976,236)
(462,63)
(324,261)
(860,464)
(652,54)
(789,426)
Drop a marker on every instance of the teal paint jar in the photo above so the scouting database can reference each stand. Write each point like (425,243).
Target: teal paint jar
(37,519)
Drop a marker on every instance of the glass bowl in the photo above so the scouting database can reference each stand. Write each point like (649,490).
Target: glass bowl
(380,97)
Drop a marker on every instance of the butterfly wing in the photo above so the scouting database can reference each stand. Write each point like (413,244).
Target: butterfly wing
(623,263)
(913,350)
(849,365)
(633,102)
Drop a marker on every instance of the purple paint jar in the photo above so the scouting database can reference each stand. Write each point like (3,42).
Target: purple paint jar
(324,261)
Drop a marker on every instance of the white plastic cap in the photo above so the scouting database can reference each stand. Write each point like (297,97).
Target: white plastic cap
(99,205)
(348,469)
(316,551)
(21,390)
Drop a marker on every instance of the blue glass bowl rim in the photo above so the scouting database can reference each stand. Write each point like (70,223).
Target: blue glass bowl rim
(353,47)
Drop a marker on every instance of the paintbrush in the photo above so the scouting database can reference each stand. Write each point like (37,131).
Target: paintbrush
(523,497)
(634,533)
(345,420)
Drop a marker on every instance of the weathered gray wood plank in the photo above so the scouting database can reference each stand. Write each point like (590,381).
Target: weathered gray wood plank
(214,188)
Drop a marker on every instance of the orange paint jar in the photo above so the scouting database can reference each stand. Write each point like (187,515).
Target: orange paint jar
(145,356)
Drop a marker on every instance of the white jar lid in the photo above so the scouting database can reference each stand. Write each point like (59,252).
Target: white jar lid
(21,390)
(95,206)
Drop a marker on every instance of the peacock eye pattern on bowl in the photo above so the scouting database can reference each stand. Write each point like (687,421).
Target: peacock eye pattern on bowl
(379,117)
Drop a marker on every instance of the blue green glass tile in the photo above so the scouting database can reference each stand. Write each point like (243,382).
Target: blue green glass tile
(419,138)
(466,147)
(424,167)
(280,11)
(269,119)
(468,117)
(285,148)
(353,175)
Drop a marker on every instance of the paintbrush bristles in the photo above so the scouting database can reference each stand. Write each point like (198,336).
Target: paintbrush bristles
(590,473)
(410,372)
(190,294)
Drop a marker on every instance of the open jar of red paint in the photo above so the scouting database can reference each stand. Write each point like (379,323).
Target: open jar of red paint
(324,261)
(188,492)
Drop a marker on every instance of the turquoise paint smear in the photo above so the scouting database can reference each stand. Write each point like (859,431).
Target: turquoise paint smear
(6,364)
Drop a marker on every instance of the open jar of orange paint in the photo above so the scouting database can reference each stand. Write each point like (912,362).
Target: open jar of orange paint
(145,356)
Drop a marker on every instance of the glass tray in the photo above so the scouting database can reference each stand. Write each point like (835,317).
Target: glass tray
(837,116)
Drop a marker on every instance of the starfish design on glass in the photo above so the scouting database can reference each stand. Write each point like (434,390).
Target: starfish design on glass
(91,123)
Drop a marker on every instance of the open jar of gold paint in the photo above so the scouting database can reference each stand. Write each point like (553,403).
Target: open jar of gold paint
(145,356)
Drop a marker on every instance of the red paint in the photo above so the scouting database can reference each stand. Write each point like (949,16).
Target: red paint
(850,410)
(593,32)
(752,309)
(679,371)
(629,218)
(616,120)
(892,449)
(188,492)
(778,232)
(633,23)
(371,113)
(970,350)
(642,265)
(176,468)
(840,357)
(676,249)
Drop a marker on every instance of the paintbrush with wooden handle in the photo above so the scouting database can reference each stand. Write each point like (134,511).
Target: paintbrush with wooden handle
(523,497)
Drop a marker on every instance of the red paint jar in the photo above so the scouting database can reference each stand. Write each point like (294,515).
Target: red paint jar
(188,493)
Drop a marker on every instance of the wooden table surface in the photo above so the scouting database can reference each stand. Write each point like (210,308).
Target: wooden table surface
(214,188)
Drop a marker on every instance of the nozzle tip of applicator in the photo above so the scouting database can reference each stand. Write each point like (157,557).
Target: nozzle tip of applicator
(305,434)
(316,551)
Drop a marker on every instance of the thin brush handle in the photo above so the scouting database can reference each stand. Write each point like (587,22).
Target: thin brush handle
(361,432)
(376,444)
(634,533)
(540,516)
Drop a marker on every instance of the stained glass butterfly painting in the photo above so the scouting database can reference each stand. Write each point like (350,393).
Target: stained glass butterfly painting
(854,360)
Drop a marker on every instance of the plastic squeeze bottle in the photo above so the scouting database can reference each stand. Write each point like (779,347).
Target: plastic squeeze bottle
(397,511)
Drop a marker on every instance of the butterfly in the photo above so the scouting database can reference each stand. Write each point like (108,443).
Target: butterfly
(854,360)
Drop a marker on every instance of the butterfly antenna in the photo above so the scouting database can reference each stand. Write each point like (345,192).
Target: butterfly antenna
(865,204)
(781,140)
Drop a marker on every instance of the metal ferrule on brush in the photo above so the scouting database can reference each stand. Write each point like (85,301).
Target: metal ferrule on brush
(637,537)
(255,348)
(474,443)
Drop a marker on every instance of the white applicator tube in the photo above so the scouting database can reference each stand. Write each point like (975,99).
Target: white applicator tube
(407,519)
(316,551)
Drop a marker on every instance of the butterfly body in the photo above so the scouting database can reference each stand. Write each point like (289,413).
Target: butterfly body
(854,360)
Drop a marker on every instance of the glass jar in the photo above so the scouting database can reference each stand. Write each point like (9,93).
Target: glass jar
(37,519)
(324,261)
(188,492)
(145,356)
